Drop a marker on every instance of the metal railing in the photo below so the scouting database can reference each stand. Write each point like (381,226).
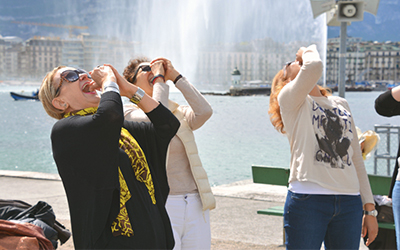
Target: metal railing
(386,152)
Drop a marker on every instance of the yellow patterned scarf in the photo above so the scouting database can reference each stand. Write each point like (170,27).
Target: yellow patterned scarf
(121,224)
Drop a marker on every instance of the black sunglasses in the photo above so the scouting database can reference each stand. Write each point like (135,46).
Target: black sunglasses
(286,65)
(145,67)
(71,76)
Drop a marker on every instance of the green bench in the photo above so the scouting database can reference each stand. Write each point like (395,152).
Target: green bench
(279,176)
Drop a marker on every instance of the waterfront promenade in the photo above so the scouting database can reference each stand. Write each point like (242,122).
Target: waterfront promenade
(235,223)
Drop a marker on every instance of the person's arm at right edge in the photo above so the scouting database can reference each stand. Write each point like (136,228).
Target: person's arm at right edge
(388,103)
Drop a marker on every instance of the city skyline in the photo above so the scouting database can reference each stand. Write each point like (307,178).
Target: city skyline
(89,13)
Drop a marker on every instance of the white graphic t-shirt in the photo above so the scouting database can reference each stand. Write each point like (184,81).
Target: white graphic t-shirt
(322,135)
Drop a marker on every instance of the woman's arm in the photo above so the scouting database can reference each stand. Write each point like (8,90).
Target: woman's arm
(296,91)
(369,223)
(163,123)
(161,93)
(160,88)
(388,103)
(147,104)
(199,110)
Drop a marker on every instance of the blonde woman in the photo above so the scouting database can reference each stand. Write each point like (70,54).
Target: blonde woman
(113,171)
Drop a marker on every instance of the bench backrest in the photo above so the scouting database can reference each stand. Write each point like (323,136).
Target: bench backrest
(380,184)
(280,176)
(270,175)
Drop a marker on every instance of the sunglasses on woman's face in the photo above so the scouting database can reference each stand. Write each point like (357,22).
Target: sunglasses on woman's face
(71,76)
(284,67)
(144,67)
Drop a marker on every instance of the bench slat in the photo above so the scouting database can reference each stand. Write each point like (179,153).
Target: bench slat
(276,211)
(386,225)
(280,176)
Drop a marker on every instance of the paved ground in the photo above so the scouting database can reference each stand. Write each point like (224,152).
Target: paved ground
(235,223)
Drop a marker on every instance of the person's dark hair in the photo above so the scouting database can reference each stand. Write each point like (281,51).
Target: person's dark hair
(129,71)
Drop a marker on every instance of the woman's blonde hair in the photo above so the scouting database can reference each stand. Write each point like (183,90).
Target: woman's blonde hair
(274,109)
(47,93)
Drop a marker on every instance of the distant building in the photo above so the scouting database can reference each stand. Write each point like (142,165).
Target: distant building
(9,51)
(73,53)
(37,56)
(372,62)
(42,54)
(258,60)
(382,61)
(2,56)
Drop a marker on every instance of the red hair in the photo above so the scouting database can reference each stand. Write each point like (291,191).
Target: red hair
(274,110)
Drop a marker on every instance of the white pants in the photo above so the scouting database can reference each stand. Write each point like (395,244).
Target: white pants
(190,225)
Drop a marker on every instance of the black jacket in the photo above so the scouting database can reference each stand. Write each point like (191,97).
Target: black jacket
(386,105)
(86,151)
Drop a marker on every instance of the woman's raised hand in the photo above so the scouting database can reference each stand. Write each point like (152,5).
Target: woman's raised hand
(100,75)
(170,72)
(299,55)
(157,67)
(125,88)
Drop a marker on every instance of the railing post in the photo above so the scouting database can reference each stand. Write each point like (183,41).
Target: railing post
(386,130)
(388,148)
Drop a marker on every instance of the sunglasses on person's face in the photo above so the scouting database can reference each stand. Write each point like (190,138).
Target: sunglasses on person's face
(144,67)
(71,76)
(285,67)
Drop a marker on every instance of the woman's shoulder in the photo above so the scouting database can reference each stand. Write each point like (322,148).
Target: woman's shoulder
(337,99)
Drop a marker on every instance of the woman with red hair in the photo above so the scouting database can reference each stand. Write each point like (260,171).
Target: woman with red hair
(328,184)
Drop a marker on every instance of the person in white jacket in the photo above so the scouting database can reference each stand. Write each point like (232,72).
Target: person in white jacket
(190,198)
(329,198)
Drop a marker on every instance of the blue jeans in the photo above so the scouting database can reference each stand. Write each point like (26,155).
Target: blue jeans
(396,210)
(312,219)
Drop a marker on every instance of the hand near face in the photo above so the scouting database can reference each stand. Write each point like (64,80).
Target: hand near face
(170,72)
(299,55)
(123,84)
(101,75)
(157,67)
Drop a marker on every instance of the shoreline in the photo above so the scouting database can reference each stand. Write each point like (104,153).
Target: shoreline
(19,83)
(244,189)
(30,175)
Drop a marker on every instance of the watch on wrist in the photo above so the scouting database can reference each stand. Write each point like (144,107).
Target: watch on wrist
(373,213)
(137,97)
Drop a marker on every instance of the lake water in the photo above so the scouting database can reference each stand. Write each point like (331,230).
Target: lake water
(238,134)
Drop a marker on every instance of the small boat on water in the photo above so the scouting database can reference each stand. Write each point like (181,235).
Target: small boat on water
(21,96)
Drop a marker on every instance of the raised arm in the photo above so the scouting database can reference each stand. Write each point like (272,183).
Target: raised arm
(199,110)
(147,104)
(388,103)
(294,93)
